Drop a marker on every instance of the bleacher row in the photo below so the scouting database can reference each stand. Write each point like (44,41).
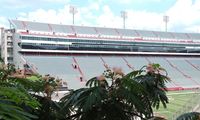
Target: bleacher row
(183,71)
(83,31)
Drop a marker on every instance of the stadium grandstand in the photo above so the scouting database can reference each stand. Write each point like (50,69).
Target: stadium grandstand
(77,53)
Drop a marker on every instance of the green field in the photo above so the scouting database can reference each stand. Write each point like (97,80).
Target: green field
(179,102)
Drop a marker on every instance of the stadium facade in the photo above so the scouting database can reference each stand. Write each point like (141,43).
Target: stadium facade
(77,53)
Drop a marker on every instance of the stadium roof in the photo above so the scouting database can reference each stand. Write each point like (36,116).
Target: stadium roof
(101,31)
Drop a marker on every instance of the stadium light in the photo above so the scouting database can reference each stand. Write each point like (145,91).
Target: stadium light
(166,20)
(73,10)
(124,16)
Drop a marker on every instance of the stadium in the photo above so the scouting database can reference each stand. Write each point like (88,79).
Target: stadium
(78,53)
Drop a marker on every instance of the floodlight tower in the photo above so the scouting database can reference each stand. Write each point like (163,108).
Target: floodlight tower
(73,10)
(124,16)
(166,20)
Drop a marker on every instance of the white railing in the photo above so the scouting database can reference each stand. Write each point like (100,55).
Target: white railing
(33,68)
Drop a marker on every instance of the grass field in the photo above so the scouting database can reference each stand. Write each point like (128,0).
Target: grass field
(179,102)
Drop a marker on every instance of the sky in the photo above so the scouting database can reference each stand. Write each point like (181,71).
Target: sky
(184,15)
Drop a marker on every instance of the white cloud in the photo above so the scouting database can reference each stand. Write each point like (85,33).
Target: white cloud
(185,13)
(3,21)
(50,16)
(125,1)
(184,16)
(85,15)
(19,4)
(136,1)
(194,28)
(108,19)
(56,1)
(136,20)
(144,20)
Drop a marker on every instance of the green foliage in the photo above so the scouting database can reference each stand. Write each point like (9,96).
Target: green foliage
(15,101)
(111,96)
(154,83)
(115,96)
(189,116)
(19,96)
(49,109)
(34,77)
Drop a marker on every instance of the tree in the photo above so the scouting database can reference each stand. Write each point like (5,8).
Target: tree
(19,99)
(49,109)
(15,102)
(189,116)
(115,96)
(112,95)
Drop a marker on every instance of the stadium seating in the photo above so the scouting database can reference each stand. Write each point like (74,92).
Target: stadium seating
(106,31)
(90,70)
(85,30)
(181,36)
(114,61)
(175,73)
(38,27)
(62,29)
(194,36)
(180,71)
(165,35)
(128,33)
(103,32)
(146,33)
(20,25)
(58,67)
(184,71)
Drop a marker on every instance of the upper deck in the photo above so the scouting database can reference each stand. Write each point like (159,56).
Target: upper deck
(58,30)
(44,37)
